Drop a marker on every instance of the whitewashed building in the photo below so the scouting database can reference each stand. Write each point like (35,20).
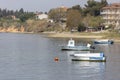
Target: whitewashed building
(111,15)
(42,16)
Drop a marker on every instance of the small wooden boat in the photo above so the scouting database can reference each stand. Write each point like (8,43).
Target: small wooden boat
(105,41)
(88,57)
(71,46)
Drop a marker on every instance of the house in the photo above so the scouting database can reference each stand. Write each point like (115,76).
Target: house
(41,16)
(63,8)
(111,15)
(13,17)
(90,29)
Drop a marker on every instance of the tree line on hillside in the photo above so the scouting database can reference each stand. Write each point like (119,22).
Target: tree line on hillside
(80,17)
(76,18)
(21,14)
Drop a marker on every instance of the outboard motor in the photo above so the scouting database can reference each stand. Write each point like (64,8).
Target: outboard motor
(90,46)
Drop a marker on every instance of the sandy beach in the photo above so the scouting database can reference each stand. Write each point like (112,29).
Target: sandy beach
(73,35)
(69,35)
(78,35)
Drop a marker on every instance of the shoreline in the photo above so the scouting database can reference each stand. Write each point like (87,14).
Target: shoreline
(77,35)
(17,32)
(64,35)
(70,35)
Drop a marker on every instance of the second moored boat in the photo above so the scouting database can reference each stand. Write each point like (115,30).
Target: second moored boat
(103,41)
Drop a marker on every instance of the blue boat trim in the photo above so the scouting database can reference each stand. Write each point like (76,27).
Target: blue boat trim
(96,58)
(89,57)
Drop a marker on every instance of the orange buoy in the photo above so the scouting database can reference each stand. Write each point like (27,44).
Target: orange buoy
(56,59)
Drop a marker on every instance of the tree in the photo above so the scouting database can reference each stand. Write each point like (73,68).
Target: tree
(57,14)
(103,3)
(93,7)
(73,19)
(77,7)
(81,27)
(26,16)
(21,10)
(91,21)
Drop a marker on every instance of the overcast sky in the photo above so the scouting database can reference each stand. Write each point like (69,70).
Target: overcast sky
(42,5)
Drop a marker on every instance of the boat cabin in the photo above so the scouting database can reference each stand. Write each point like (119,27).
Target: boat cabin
(71,43)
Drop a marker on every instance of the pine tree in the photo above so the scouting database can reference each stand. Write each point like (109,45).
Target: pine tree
(104,3)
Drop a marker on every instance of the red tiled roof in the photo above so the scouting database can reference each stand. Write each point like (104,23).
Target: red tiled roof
(112,6)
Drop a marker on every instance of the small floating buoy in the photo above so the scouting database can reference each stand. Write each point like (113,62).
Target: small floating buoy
(56,59)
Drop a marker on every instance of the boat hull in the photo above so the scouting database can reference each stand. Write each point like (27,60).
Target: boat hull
(103,42)
(76,48)
(100,59)
(89,57)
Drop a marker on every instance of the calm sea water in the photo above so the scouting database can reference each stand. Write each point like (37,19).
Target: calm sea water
(31,57)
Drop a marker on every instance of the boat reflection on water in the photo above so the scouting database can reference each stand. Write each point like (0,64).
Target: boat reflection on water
(76,52)
(94,70)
